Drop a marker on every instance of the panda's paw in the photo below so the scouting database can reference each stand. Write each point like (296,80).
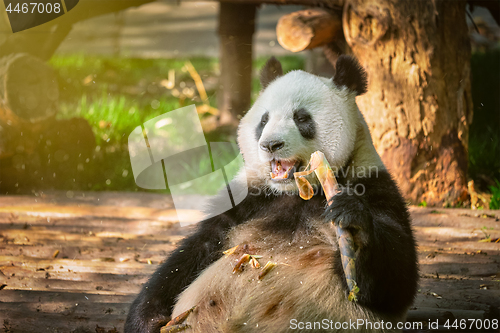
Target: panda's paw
(349,212)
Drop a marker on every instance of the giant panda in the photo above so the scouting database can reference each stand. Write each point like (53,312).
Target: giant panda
(295,115)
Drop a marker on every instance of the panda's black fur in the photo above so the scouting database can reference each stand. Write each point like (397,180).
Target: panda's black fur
(378,219)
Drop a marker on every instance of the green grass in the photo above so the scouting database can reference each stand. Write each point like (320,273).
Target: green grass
(126,71)
(113,117)
(484,156)
(484,132)
(495,198)
(423,203)
(116,95)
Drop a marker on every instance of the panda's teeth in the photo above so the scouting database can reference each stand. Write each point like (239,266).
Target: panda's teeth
(282,169)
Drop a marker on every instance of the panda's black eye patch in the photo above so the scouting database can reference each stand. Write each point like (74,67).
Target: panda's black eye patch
(305,123)
(265,118)
(302,118)
(261,125)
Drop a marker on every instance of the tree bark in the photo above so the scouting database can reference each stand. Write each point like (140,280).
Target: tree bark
(236,28)
(419,105)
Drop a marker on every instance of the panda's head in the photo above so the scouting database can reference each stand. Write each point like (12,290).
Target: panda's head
(297,114)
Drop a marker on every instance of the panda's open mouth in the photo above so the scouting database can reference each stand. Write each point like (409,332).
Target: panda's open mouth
(283,169)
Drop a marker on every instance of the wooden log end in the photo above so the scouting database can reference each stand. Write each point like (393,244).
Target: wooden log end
(307,29)
(29,90)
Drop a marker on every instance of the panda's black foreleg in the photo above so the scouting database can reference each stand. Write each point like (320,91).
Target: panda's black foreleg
(377,217)
(153,306)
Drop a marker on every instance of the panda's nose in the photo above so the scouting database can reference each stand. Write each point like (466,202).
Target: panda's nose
(272,146)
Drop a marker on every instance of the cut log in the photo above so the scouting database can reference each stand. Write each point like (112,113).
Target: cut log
(28,90)
(29,96)
(307,29)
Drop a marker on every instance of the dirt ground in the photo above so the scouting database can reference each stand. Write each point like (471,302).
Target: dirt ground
(73,262)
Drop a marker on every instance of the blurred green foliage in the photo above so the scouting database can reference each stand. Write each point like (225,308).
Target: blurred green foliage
(484,132)
(115,95)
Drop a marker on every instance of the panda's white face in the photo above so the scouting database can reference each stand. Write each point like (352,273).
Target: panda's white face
(297,114)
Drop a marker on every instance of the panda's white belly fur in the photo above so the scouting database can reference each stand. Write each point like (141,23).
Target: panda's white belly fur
(302,286)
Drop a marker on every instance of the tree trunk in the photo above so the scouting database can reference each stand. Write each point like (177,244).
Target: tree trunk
(236,28)
(419,104)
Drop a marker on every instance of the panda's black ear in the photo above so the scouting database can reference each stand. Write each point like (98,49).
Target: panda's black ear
(349,73)
(271,70)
